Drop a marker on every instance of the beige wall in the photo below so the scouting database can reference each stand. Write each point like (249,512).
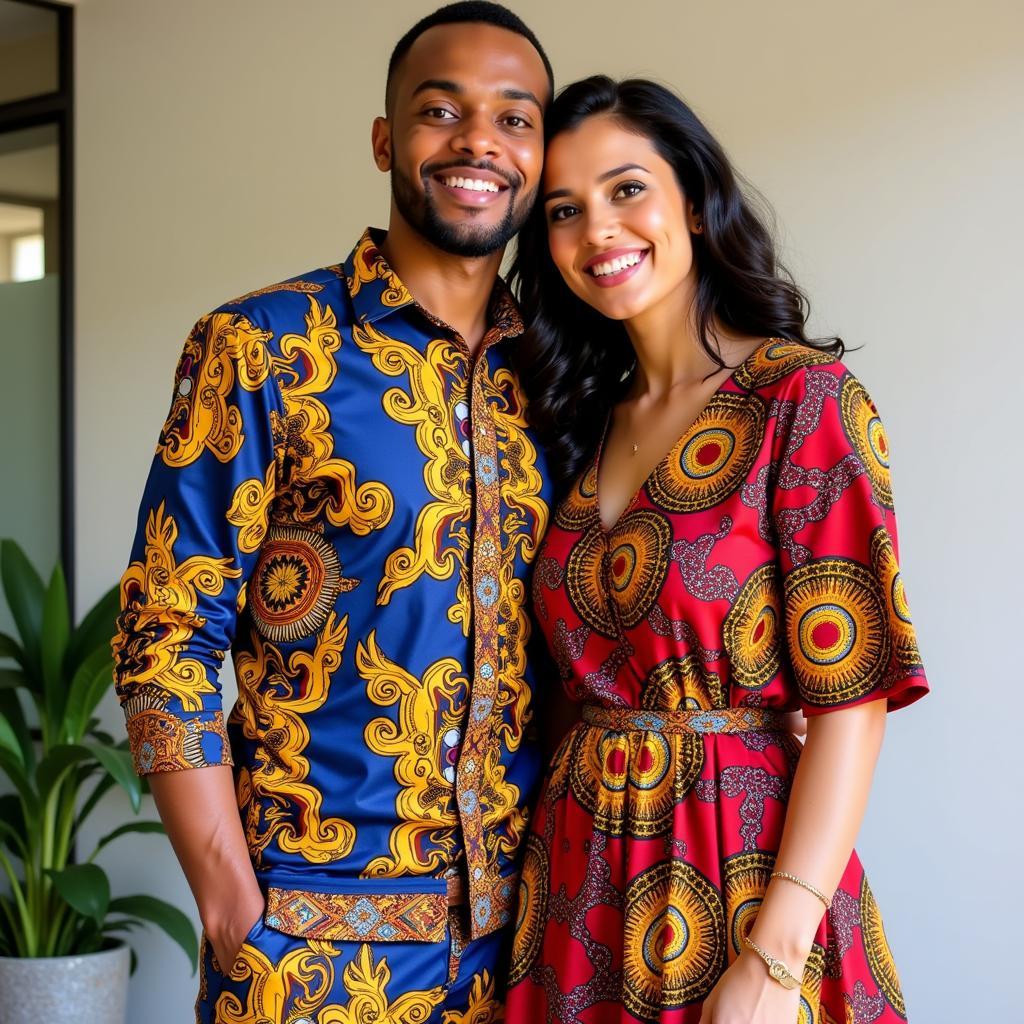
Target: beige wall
(223,145)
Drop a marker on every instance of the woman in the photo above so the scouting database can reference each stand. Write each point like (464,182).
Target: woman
(725,553)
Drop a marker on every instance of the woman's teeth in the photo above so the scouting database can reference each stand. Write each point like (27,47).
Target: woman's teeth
(617,264)
(473,184)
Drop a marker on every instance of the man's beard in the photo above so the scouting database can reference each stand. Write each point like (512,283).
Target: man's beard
(468,240)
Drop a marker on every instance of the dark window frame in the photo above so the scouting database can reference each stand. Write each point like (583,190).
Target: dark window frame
(57,108)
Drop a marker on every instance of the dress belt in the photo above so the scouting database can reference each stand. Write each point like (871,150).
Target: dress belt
(719,720)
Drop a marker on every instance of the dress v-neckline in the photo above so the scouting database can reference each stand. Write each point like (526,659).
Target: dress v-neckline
(683,437)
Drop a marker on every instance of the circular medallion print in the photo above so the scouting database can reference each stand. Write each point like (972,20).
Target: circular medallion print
(746,878)
(867,435)
(810,988)
(905,652)
(713,457)
(682,684)
(632,782)
(294,584)
(752,630)
(578,508)
(772,361)
(638,563)
(836,630)
(533,901)
(584,579)
(880,960)
(674,944)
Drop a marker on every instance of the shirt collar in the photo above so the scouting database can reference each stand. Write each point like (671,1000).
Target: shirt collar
(376,291)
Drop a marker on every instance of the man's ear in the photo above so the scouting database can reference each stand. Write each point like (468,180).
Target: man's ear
(381,143)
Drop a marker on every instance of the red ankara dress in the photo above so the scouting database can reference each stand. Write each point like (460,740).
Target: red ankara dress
(754,572)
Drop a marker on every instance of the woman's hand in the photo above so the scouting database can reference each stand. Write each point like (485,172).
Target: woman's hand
(745,994)
(228,933)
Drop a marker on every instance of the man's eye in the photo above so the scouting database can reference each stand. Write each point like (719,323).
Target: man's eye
(515,121)
(441,113)
(628,189)
(562,212)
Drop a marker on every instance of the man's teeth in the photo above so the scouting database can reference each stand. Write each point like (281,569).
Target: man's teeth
(619,263)
(473,184)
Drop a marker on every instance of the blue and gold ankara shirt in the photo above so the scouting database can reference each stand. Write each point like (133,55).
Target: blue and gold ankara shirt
(349,502)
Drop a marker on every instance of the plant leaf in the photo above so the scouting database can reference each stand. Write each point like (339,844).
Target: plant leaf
(10,648)
(14,769)
(132,826)
(56,763)
(86,888)
(25,596)
(9,741)
(164,916)
(12,678)
(53,643)
(96,630)
(13,714)
(103,786)
(91,680)
(118,764)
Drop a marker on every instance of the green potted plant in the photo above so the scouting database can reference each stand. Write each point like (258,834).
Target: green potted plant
(61,931)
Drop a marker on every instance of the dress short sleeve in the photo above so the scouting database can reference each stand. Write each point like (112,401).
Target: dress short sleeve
(849,634)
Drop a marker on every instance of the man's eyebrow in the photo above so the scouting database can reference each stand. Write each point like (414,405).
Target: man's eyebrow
(522,94)
(441,84)
(558,193)
(446,85)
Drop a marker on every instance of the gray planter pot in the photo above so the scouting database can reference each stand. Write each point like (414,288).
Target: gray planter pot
(90,989)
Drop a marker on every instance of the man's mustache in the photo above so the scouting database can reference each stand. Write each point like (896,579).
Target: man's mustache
(514,181)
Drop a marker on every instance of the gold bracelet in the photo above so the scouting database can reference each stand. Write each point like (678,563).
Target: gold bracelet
(803,885)
(777,970)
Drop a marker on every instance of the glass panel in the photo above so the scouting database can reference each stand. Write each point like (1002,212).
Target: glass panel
(30,346)
(28,51)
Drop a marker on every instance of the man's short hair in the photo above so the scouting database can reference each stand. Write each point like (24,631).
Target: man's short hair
(469,11)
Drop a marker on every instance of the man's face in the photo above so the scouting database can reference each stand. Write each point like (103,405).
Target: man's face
(464,138)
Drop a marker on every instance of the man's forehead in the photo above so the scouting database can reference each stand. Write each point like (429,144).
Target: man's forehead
(473,56)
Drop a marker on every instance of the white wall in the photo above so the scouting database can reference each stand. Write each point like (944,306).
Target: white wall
(223,145)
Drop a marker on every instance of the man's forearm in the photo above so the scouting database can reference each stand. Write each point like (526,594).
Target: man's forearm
(199,811)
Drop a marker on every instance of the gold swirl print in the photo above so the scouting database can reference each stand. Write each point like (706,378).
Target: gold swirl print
(299,986)
(250,509)
(316,483)
(220,348)
(159,598)
(422,742)
(369,265)
(276,799)
(442,525)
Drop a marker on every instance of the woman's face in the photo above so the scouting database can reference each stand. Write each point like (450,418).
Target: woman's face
(618,223)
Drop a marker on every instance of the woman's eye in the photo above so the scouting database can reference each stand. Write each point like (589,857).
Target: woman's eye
(562,212)
(628,189)
(515,121)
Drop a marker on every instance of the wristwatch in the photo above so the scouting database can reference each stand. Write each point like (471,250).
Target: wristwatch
(777,970)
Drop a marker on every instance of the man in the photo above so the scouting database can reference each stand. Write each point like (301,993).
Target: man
(346,494)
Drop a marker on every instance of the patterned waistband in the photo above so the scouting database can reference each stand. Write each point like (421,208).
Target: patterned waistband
(723,720)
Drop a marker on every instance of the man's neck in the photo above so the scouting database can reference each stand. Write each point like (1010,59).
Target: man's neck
(455,289)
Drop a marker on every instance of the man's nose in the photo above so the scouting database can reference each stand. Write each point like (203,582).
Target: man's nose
(477,137)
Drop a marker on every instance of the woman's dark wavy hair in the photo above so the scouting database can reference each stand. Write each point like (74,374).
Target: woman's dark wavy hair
(573,362)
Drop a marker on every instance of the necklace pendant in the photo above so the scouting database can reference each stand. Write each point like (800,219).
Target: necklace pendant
(635,447)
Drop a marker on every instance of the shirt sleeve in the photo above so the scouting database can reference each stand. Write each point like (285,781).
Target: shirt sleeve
(848,629)
(202,520)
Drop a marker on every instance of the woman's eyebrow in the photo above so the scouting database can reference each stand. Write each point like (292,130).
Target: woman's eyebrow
(558,193)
